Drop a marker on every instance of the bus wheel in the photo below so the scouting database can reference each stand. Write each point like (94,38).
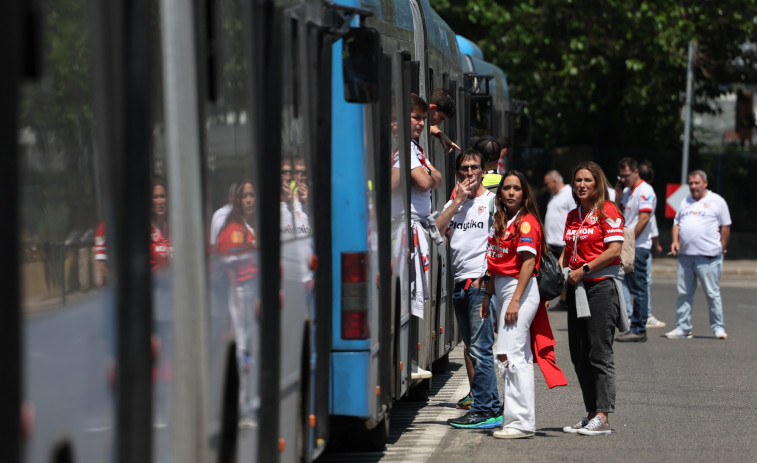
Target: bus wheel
(374,440)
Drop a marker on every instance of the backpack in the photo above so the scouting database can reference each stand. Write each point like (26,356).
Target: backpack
(628,251)
(550,277)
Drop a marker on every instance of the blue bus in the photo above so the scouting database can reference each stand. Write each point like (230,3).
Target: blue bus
(208,263)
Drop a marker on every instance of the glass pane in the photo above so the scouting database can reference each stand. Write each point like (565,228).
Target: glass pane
(67,298)
(231,212)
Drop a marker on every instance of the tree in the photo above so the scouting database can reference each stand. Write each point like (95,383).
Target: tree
(610,73)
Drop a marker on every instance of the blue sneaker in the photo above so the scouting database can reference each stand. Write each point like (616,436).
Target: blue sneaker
(465,403)
(474,420)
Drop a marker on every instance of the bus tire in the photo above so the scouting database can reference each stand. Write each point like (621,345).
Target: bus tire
(374,440)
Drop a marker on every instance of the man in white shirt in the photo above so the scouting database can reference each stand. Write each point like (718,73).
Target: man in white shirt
(701,229)
(219,216)
(637,204)
(560,203)
(465,221)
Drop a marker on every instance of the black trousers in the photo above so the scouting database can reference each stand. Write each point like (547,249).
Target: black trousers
(590,341)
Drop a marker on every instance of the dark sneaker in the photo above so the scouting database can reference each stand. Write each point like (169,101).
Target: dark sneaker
(595,427)
(474,420)
(465,403)
(632,337)
(574,429)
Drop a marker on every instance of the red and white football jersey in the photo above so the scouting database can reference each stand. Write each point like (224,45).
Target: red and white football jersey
(522,235)
(587,234)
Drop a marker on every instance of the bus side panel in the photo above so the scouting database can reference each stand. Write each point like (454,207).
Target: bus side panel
(350,388)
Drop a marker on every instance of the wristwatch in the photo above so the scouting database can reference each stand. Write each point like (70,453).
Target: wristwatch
(586,268)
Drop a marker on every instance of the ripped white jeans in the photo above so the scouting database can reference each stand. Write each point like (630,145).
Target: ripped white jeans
(515,342)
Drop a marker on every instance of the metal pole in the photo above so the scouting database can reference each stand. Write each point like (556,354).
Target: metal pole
(184,194)
(687,113)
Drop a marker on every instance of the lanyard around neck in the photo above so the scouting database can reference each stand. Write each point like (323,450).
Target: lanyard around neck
(574,257)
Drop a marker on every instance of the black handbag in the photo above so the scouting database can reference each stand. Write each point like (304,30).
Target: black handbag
(550,277)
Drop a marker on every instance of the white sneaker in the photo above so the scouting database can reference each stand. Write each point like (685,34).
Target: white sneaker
(417,372)
(596,427)
(653,322)
(678,333)
(512,433)
(720,333)
(574,429)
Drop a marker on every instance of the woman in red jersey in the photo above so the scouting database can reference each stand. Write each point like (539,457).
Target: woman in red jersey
(593,239)
(237,244)
(516,244)
(160,244)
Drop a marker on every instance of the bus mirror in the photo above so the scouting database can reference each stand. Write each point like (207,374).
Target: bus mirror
(361,49)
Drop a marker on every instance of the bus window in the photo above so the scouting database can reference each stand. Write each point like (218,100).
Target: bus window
(67,295)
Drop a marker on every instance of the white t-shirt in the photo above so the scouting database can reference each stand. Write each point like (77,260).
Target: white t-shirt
(699,224)
(468,237)
(557,212)
(216,223)
(635,200)
(655,231)
(420,201)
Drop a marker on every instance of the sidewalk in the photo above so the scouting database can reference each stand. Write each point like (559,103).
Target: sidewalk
(667,267)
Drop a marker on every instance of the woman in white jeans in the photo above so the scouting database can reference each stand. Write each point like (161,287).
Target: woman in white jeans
(515,247)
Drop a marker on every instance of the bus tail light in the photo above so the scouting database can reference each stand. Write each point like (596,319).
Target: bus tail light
(355,320)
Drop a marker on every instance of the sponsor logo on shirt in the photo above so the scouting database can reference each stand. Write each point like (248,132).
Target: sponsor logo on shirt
(526,239)
(646,198)
(466,225)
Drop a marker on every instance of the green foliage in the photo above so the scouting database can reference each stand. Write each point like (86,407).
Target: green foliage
(609,73)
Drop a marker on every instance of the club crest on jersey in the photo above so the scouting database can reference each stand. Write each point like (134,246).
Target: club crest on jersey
(614,223)
(525,227)
(593,219)
(482,209)
(237,237)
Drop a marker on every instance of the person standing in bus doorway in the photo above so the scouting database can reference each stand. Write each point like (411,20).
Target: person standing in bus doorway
(442,107)
(423,178)
(465,221)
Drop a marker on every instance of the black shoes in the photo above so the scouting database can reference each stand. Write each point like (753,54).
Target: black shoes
(631,337)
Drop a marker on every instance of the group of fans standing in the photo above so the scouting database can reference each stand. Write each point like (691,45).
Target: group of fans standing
(496,242)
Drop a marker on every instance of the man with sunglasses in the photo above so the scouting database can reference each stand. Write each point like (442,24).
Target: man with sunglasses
(465,222)
(637,203)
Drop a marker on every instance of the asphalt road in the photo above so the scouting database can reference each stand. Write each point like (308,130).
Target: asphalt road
(677,400)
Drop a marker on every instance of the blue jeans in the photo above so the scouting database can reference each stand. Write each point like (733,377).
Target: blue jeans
(637,285)
(478,336)
(708,270)
(627,293)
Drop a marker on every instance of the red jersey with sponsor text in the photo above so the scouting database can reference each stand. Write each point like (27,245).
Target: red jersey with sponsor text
(236,241)
(160,248)
(522,235)
(595,232)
